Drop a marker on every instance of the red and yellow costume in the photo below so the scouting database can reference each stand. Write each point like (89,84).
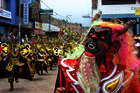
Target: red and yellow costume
(108,64)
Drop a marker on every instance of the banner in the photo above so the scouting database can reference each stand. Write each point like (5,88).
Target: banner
(137,12)
(38,25)
(25,1)
(45,27)
(5,14)
(26,14)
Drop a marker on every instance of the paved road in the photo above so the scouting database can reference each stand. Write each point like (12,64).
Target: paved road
(41,84)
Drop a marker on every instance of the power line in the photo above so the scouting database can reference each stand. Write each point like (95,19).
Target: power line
(45,4)
(57,14)
(51,8)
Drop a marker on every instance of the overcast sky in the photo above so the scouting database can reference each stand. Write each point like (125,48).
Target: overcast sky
(75,8)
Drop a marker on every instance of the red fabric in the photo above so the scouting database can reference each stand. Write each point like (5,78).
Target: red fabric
(60,77)
(69,73)
(1,49)
(106,46)
(133,87)
(89,54)
(102,69)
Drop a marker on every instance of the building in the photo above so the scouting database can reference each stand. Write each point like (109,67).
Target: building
(26,14)
(7,17)
(123,9)
(18,17)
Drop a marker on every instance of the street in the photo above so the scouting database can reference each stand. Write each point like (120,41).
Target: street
(41,84)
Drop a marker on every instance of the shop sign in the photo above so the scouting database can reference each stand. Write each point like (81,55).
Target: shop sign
(45,26)
(25,1)
(38,25)
(135,8)
(50,11)
(26,14)
(137,12)
(5,14)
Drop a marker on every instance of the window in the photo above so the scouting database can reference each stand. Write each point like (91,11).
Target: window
(5,4)
(17,7)
(116,2)
(1,3)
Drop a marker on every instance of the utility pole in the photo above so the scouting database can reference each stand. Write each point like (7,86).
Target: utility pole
(19,24)
(137,2)
(49,23)
(67,22)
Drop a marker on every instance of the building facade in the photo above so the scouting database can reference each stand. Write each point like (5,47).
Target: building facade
(7,17)
(122,9)
(13,13)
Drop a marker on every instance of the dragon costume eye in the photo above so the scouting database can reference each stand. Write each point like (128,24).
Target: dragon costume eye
(91,46)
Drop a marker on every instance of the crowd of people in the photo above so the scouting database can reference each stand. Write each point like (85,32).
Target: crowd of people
(35,55)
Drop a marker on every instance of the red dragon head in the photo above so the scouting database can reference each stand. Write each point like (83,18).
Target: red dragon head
(108,36)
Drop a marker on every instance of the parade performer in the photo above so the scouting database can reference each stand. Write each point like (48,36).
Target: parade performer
(41,63)
(50,57)
(4,59)
(57,53)
(19,64)
(26,53)
(0,53)
(108,64)
(14,64)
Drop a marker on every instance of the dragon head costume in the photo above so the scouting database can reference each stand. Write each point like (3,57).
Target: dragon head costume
(108,64)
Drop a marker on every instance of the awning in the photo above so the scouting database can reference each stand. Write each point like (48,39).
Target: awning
(120,16)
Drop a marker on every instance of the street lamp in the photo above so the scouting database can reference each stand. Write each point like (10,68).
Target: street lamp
(19,24)
(67,17)
(88,17)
